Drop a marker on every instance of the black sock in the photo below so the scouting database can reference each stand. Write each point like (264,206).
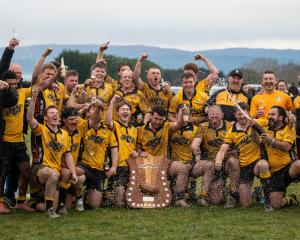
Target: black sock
(266,186)
(49,204)
(235,196)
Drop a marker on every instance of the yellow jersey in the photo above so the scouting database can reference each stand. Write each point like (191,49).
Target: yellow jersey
(126,137)
(14,118)
(96,143)
(249,151)
(268,100)
(152,142)
(297,111)
(181,141)
(212,139)
(195,104)
(157,97)
(55,145)
(55,98)
(227,101)
(277,158)
(137,100)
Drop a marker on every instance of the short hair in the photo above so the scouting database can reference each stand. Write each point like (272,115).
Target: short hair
(160,111)
(48,108)
(188,75)
(241,105)
(99,65)
(191,66)
(216,108)
(69,112)
(49,66)
(122,65)
(269,72)
(8,75)
(72,73)
(56,64)
(121,104)
(281,111)
(282,81)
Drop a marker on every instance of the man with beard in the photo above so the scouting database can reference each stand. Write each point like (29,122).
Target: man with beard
(211,136)
(13,141)
(279,139)
(126,135)
(262,103)
(56,144)
(241,136)
(227,99)
(189,97)
(157,93)
(8,99)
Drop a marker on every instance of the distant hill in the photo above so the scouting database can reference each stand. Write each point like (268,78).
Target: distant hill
(225,59)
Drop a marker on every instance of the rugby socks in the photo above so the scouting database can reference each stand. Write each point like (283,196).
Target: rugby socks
(235,196)
(49,204)
(265,180)
(21,199)
(204,194)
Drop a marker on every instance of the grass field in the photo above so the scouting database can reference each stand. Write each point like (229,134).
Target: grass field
(172,223)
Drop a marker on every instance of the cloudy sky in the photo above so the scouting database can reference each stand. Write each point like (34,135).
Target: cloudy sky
(184,24)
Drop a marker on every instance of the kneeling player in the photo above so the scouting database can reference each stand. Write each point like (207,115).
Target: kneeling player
(242,137)
(211,135)
(56,144)
(126,135)
(97,138)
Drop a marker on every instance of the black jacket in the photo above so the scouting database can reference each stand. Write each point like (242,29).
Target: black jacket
(5,60)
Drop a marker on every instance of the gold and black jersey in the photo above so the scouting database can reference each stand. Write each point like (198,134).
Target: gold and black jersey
(55,97)
(195,104)
(114,83)
(212,139)
(152,142)
(297,111)
(55,145)
(95,144)
(181,141)
(126,137)
(226,100)
(137,100)
(157,97)
(277,158)
(104,93)
(268,100)
(249,150)
(76,141)
(14,117)
(202,86)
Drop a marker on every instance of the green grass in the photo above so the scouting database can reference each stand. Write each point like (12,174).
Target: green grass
(172,223)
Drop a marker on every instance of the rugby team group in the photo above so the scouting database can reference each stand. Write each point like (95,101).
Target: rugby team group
(82,134)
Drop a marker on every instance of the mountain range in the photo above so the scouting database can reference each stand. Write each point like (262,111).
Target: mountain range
(224,59)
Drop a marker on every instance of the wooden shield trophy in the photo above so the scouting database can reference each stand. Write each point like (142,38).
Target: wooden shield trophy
(148,185)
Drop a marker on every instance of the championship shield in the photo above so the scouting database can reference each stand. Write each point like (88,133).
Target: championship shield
(148,185)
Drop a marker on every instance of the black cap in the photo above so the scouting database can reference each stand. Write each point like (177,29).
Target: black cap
(236,72)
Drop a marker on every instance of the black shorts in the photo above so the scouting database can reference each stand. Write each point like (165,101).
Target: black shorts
(281,179)
(247,173)
(298,147)
(94,178)
(15,152)
(122,176)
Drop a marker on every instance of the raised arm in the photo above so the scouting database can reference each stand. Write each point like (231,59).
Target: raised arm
(30,112)
(7,55)
(174,126)
(100,55)
(137,71)
(214,72)
(72,101)
(38,67)
(110,110)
